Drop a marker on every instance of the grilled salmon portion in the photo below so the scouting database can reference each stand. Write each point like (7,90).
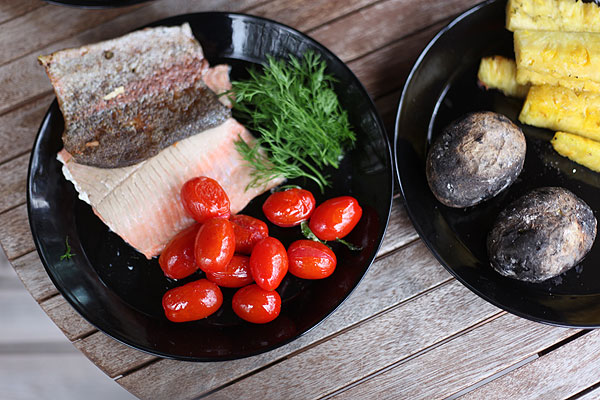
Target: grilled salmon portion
(141,203)
(126,99)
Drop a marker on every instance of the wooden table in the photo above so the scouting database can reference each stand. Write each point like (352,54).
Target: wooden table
(421,334)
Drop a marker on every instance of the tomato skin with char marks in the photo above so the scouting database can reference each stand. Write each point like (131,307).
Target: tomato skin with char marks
(335,218)
(248,231)
(311,260)
(204,198)
(215,245)
(192,301)
(268,263)
(254,304)
(289,207)
(177,259)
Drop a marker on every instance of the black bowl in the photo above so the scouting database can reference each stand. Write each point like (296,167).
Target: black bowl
(442,87)
(117,290)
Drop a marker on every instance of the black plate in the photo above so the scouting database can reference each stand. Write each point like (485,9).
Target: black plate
(442,87)
(117,290)
(96,3)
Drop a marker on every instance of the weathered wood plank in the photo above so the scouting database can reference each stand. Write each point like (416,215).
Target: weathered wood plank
(400,230)
(559,374)
(461,362)
(110,356)
(304,15)
(13,9)
(382,23)
(30,270)
(387,107)
(591,395)
(38,28)
(23,79)
(413,267)
(66,318)
(385,70)
(369,347)
(15,236)
(13,181)
(18,128)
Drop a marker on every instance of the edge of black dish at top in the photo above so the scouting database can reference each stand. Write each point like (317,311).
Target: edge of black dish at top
(442,87)
(119,292)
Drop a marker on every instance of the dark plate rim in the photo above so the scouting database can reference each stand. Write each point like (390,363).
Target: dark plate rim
(432,248)
(390,164)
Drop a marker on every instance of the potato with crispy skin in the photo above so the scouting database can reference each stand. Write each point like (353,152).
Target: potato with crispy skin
(541,235)
(474,159)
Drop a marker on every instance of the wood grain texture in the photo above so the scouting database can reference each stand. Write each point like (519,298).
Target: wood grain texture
(386,69)
(30,270)
(400,230)
(383,23)
(18,128)
(15,236)
(365,349)
(13,177)
(461,362)
(559,374)
(110,356)
(38,28)
(413,265)
(66,318)
(14,9)
(23,79)
(304,16)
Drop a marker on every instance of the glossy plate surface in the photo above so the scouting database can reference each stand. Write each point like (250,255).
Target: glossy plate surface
(119,291)
(442,87)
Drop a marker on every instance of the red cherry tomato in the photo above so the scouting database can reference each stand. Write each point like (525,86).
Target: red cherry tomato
(289,207)
(236,274)
(192,301)
(335,218)
(177,259)
(268,263)
(215,245)
(204,198)
(254,304)
(248,231)
(311,260)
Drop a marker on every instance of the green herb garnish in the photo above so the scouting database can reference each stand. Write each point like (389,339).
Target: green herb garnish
(294,109)
(68,254)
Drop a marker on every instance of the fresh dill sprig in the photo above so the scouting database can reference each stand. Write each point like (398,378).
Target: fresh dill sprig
(68,254)
(301,125)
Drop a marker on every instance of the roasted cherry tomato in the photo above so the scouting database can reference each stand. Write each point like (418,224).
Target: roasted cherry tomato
(215,245)
(311,260)
(268,263)
(254,304)
(335,218)
(177,259)
(236,274)
(248,231)
(204,198)
(192,301)
(289,207)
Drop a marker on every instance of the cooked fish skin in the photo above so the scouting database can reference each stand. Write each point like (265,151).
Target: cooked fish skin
(125,99)
(141,203)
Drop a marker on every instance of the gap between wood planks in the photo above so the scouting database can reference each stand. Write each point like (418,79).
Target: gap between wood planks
(343,331)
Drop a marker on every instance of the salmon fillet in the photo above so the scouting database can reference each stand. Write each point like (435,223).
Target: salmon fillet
(125,99)
(141,203)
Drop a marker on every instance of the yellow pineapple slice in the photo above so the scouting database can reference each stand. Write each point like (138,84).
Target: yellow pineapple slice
(568,59)
(553,15)
(562,109)
(580,149)
(500,73)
